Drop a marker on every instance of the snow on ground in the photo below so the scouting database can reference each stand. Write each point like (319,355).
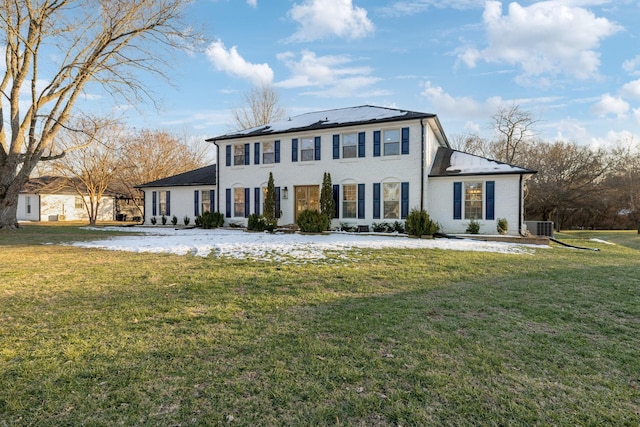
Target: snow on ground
(281,247)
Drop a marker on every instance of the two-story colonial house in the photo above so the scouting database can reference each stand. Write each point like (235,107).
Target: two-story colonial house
(383,162)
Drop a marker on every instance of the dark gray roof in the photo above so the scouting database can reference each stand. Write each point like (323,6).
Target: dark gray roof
(449,162)
(328,119)
(58,185)
(201,176)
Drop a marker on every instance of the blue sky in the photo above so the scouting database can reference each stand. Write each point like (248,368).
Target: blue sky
(574,64)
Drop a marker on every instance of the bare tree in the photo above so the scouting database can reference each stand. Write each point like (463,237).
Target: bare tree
(92,170)
(96,43)
(471,143)
(149,155)
(568,180)
(260,106)
(513,127)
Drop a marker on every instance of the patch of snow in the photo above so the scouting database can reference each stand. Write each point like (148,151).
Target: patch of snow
(602,241)
(465,163)
(279,247)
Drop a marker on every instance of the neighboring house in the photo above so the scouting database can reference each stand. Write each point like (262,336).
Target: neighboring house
(383,162)
(53,199)
(188,194)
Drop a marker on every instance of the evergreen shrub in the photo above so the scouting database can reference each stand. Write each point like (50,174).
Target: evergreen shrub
(312,221)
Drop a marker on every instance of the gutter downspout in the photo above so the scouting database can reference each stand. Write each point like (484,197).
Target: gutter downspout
(423,160)
(520,203)
(218,187)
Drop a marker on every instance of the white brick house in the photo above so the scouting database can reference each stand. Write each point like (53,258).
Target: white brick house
(383,162)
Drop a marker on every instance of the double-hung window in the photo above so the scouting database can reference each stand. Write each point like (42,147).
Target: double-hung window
(268,152)
(78,203)
(307,149)
(349,145)
(164,203)
(473,200)
(238,202)
(205,201)
(239,154)
(349,200)
(391,200)
(391,141)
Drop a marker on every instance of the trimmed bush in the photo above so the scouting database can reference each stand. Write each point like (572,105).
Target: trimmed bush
(174,220)
(164,220)
(474,227)
(257,222)
(312,221)
(153,220)
(186,220)
(210,220)
(503,226)
(418,223)
(382,227)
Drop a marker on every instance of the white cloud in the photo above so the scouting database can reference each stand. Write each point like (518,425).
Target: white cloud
(460,107)
(631,89)
(632,66)
(320,19)
(252,3)
(611,139)
(335,75)
(548,37)
(609,104)
(233,64)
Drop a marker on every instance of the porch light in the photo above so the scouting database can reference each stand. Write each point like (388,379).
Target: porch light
(285,193)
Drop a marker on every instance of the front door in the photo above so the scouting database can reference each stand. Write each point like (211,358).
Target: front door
(307,197)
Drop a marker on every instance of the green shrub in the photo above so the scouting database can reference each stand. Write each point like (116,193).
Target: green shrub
(257,222)
(153,220)
(210,220)
(418,223)
(186,220)
(164,220)
(503,226)
(382,227)
(174,220)
(345,226)
(398,227)
(474,227)
(312,221)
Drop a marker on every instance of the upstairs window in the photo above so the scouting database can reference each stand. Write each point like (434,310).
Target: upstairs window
(306,152)
(268,152)
(239,154)
(349,146)
(391,139)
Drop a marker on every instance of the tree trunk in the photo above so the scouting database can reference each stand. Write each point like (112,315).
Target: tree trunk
(9,203)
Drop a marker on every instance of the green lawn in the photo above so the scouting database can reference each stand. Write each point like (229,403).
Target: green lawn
(403,337)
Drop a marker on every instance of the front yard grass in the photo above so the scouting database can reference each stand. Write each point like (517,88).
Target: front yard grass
(400,337)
